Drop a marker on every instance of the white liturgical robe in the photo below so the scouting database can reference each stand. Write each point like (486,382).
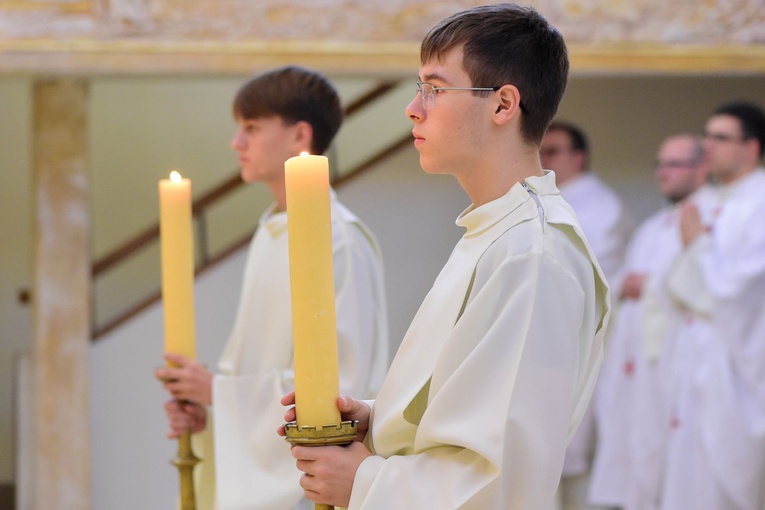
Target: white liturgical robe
(607,226)
(497,367)
(628,404)
(254,468)
(604,221)
(716,455)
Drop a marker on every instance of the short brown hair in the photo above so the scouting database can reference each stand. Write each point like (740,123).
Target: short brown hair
(750,116)
(575,135)
(295,94)
(508,44)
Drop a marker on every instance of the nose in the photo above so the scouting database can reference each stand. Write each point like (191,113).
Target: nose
(237,142)
(414,109)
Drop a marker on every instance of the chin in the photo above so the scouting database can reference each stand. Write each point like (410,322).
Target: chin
(429,167)
(249,176)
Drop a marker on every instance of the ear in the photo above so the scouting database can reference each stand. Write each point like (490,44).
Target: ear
(581,159)
(753,149)
(508,105)
(303,135)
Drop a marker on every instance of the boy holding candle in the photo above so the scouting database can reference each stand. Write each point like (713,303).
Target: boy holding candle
(280,114)
(498,366)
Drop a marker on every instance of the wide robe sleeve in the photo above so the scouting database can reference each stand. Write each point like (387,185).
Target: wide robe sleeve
(501,398)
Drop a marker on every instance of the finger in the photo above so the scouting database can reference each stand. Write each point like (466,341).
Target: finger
(191,408)
(166,374)
(177,359)
(169,374)
(304,466)
(290,415)
(304,453)
(172,405)
(288,399)
(306,483)
(351,407)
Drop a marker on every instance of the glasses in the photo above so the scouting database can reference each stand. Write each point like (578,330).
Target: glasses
(551,152)
(722,138)
(428,94)
(675,164)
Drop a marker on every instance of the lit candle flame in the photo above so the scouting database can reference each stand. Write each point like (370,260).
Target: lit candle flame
(175,176)
(304,153)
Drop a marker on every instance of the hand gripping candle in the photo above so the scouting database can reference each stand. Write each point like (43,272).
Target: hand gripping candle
(313,290)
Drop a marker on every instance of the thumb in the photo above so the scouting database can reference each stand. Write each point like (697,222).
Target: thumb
(176,359)
(349,406)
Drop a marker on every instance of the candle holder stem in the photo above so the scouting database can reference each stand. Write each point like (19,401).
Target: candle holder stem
(185,462)
(308,435)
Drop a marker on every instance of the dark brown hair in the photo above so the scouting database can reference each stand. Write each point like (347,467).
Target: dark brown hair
(507,44)
(751,118)
(295,94)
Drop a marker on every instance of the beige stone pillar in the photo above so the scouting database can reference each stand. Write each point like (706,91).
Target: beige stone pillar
(61,309)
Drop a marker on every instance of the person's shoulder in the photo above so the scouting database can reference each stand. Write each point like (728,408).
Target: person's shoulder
(348,231)
(591,195)
(605,190)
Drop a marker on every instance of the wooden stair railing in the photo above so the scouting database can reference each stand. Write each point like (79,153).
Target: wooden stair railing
(199,206)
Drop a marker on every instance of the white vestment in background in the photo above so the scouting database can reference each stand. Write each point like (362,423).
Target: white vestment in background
(254,468)
(608,228)
(628,401)
(497,367)
(716,456)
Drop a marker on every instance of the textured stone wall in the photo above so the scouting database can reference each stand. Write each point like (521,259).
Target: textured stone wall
(581,21)
(373,37)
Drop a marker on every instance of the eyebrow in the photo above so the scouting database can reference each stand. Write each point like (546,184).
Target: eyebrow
(433,76)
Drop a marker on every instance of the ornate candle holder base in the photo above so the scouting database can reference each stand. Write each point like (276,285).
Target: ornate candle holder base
(328,435)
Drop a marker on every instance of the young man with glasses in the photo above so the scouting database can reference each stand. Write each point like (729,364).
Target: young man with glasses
(716,449)
(499,363)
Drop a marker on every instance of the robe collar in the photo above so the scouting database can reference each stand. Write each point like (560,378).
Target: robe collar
(476,220)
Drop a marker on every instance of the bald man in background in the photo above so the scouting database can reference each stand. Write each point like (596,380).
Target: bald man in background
(630,402)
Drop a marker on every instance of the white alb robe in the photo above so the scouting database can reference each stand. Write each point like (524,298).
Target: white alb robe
(628,404)
(716,455)
(496,368)
(254,468)
(608,227)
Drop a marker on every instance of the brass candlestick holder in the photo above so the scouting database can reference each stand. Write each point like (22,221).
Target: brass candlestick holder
(328,435)
(185,462)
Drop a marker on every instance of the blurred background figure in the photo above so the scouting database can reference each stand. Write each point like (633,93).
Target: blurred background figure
(607,227)
(629,405)
(716,445)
